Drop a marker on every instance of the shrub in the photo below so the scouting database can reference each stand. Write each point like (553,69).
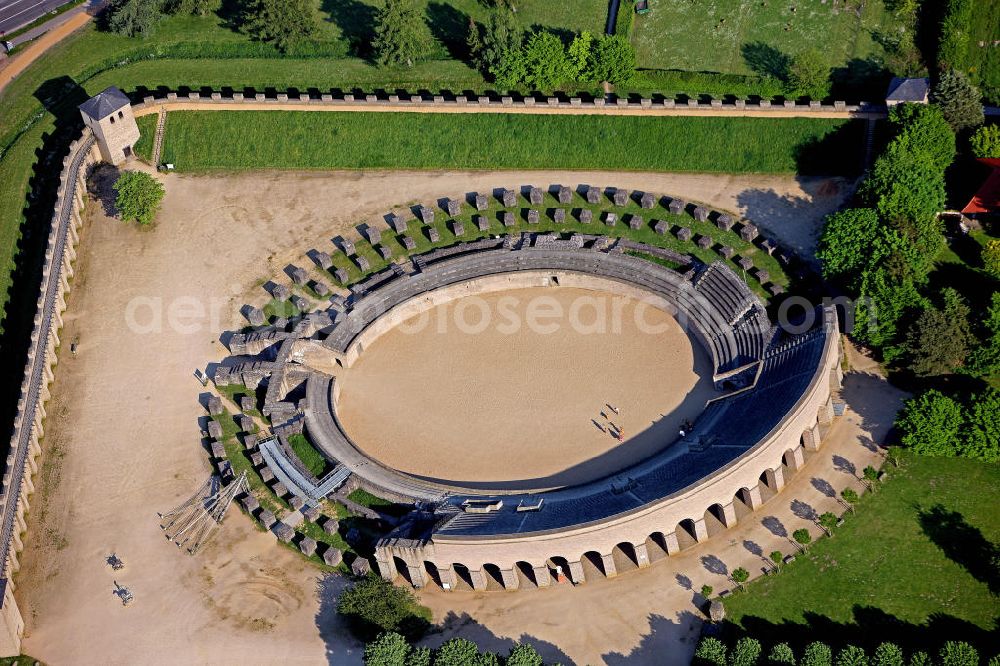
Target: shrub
(388,649)
(456,652)
(981,439)
(746,652)
(816,654)
(985,359)
(852,655)
(373,605)
(991,257)
(930,424)
(706,591)
(781,655)
(523,654)
(958,653)
(711,652)
(614,60)
(954,40)
(280,22)
(985,142)
(920,659)
(802,537)
(419,656)
(887,654)
(137,196)
(809,75)
(741,576)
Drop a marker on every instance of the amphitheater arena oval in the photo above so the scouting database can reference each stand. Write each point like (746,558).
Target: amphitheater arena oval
(774,393)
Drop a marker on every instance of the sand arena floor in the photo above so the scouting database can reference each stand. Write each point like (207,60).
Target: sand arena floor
(484,392)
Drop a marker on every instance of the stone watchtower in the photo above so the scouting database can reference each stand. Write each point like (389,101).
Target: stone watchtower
(109,115)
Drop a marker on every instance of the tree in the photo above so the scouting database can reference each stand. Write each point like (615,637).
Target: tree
(388,649)
(802,537)
(852,655)
(280,22)
(922,127)
(816,654)
(614,60)
(930,424)
(711,652)
(524,654)
(373,605)
(745,652)
(456,652)
(500,36)
(133,18)
(137,196)
(401,34)
(985,359)
(852,239)
(920,658)
(871,476)
(940,339)
(741,576)
(985,141)
(809,75)
(981,439)
(904,185)
(474,41)
(850,497)
(781,655)
(958,653)
(546,65)
(887,654)
(886,294)
(192,7)
(959,100)
(706,591)
(828,521)
(991,257)
(419,656)
(488,659)
(778,558)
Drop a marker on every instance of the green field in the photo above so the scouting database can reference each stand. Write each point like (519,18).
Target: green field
(914,566)
(983,55)
(738,36)
(309,140)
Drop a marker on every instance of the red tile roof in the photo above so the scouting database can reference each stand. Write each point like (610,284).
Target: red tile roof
(987,198)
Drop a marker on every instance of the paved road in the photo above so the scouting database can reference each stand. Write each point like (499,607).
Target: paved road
(17,13)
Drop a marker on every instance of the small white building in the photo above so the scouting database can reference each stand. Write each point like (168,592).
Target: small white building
(109,115)
(902,91)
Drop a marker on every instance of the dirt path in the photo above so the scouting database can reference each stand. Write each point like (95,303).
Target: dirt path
(123,439)
(11,68)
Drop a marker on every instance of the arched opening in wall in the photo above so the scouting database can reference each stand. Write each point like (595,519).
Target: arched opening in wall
(559,570)
(656,546)
(433,575)
(401,569)
(525,575)
(494,579)
(715,520)
(685,534)
(593,565)
(624,557)
(463,579)
(555,280)
(789,462)
(742,503)
(768,485)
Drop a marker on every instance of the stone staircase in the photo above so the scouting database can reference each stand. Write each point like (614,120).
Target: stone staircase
(161,125)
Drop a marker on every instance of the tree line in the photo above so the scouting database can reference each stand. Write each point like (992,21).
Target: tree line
(748,651)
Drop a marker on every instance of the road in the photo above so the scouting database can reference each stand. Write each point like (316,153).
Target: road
(17,13)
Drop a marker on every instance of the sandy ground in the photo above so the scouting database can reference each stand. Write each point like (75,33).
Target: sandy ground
(123,441)
(483,391)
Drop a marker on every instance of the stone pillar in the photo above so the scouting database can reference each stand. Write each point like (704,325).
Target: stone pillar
(755,499)
(478,579)
(510,579)
(673,547)
(779,479)
(416,574)
(385,567)
(576,572)
(825,414)
(610,570)
(811,438)
(798,457)
(542,576)
(642,555)
(449,579)
(700,530)
(728,515)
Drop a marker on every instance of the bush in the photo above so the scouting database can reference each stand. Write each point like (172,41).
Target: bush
(138,196)
(985,142)
(523,654)
(283,23)
(809,75)
(419,656)
(373,605)
(711,652)
(852,655)
(930,424)
(954,40)
(991,257)
(781,655)
(614,60)
(982,432)
(957,653)
(887,654)
(985,359)
(133,18)
(389,649)
(746,652)
(456,652)
(816,654)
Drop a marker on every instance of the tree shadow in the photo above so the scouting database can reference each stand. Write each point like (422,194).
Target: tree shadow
(963,544)
(766,60)
(869,628)
(774,526)
(839,152)
(842,464)
(669,642)
(804,510)
(823,486)
(714,565)
(464,626)
(356,21)
(449,26)
(860,79)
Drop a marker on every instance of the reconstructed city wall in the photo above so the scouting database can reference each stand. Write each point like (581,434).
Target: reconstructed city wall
(38,374)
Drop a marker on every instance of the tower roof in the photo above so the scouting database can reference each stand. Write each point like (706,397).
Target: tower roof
(908,90)
(104,103)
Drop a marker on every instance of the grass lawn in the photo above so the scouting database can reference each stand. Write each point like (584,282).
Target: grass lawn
(913,566)
(984,61)
(307,454)
(287,140)
(744,36)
